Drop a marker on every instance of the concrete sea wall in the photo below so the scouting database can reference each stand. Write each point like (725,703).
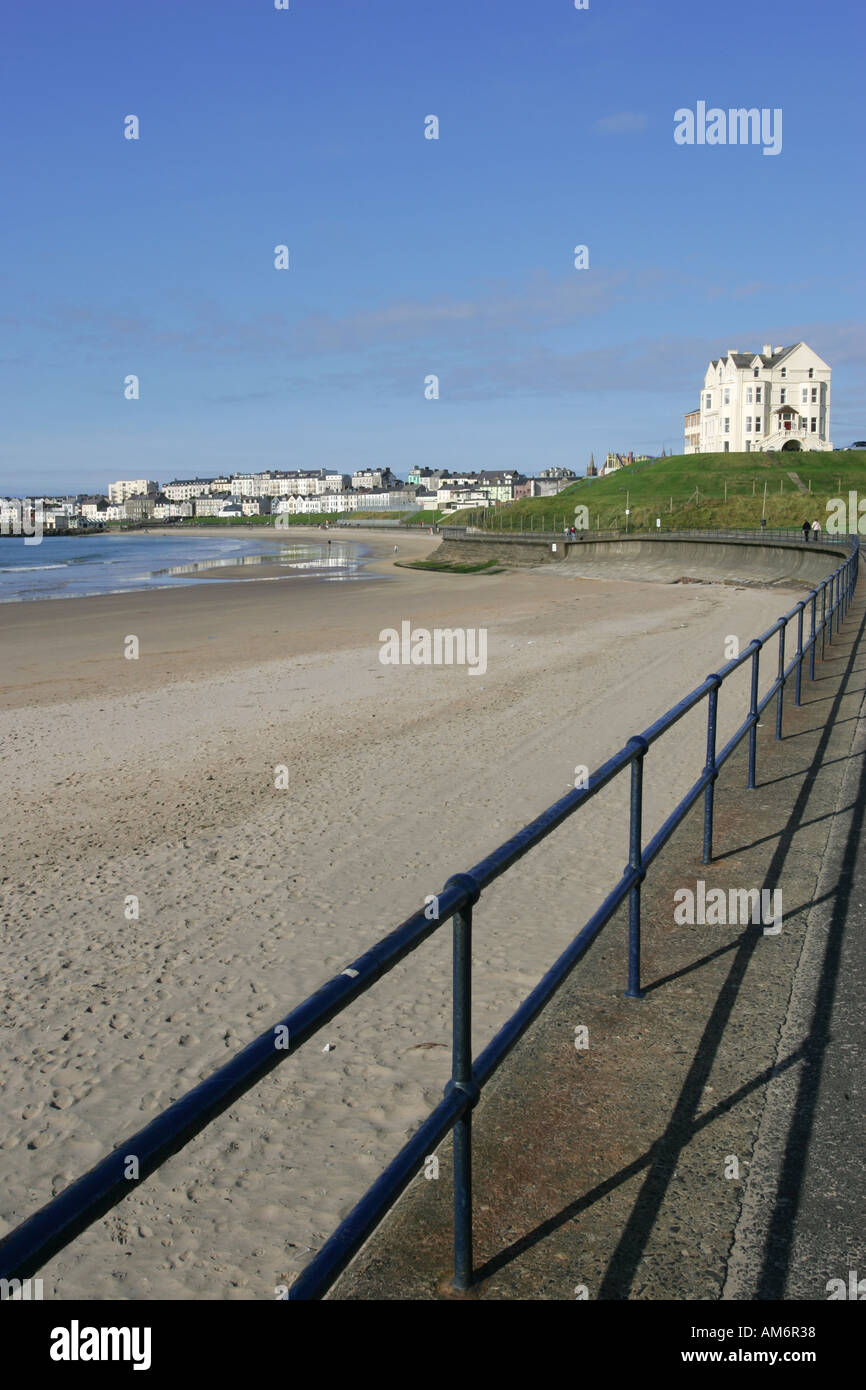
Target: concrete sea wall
(665,559)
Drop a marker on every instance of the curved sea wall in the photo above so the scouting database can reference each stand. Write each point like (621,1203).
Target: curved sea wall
(665,559)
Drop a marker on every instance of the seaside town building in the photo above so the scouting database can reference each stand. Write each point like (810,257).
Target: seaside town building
(141,508)
(778,398)
(208,504)
(692,432)
(451,499)
(424,477)
(172,511)
(546,485)
(376,479)
(350,500)
(93,509)
(566,475)
(185,489)
(140,487)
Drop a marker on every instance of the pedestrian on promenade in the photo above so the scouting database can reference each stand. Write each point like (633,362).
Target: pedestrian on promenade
(806,529)
(816,528)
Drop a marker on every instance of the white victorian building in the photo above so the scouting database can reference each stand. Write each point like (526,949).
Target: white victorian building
(778,398)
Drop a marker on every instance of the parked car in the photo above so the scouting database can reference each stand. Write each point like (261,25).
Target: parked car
(860,444)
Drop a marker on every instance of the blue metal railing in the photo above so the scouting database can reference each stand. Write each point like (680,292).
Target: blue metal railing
(55,1225)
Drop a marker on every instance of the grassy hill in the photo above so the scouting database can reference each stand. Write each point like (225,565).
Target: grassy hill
(693,490)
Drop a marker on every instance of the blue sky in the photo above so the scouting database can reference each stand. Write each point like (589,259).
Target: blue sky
(408,256)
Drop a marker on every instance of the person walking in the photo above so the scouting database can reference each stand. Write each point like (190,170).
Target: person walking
(816,528)
(806,529)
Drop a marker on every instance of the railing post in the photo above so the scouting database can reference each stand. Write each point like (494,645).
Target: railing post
(753,715)
(798,682)
(635,861)
(461,1079)
(831,616)
(831,611)
(813,598)
(823,618)
(709,791)
(781,678)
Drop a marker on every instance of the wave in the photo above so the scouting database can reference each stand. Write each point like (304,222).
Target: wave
(30,569)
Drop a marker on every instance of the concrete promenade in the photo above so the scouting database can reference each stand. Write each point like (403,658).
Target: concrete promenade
(709,1141)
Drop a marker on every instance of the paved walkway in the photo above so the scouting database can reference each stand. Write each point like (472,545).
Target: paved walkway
(709,1141)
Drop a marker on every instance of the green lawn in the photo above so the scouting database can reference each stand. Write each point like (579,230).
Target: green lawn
(689,491)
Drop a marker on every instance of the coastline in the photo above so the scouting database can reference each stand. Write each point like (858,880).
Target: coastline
(57,649)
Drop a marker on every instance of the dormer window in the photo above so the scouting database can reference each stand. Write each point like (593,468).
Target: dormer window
(757,369)
(811,372)
(783,371)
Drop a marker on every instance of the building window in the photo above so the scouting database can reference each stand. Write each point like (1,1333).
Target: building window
(814,423)
(757,395)
(708,401)
(783,394)
(748,446)
(748,395)
(727,446)
(804,395)
(814,394)
(748,424)
(727,424)
(783,371)
(811,372)
(757,369)
(727,395)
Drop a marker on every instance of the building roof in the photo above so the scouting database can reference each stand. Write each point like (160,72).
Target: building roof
(745,359)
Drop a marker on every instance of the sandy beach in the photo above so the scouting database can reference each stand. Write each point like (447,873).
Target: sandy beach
(155,778)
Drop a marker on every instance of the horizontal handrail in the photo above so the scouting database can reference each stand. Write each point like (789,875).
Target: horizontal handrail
(757,535)
(54,1226)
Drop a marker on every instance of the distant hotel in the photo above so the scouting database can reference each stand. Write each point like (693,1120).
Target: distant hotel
(775,399)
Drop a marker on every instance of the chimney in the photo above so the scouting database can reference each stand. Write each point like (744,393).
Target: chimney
(778,349)
(765,350)
(732,351)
